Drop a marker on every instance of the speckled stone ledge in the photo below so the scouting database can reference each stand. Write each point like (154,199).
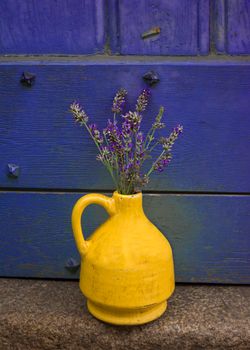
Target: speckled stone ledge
(41,314)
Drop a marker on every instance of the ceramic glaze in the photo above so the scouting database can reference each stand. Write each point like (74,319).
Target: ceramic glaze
(127,271)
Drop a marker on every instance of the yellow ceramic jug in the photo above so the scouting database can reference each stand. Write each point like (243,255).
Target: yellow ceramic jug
(127,271)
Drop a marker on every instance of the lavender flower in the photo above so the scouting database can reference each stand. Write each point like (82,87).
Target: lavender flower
(168,142)
(142,100)
(105,155)
(119,101)
(162,162)
(127,136)
(133,120)
(95,133)
(122,146)
(139,153)
(78,113)
(158,124)
(113,138)
(112,134)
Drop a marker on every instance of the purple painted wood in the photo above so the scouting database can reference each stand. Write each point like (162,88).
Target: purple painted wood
(203,26)
(238,31)
(113,26)
(51,27)
(218,31)
(183,25)
(231,26)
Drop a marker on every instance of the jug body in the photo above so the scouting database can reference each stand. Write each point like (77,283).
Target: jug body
(127,271)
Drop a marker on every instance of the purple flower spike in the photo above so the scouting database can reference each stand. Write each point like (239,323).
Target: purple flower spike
(96,133)
(167,143)
(162,162)
(142,100)
(78,113)
(114,139)
(119,101)
(133,120)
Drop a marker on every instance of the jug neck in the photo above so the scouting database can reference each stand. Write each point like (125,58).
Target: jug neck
(129,204)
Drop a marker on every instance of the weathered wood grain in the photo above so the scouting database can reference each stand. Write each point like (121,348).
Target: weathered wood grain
(209,234)
(203,26)
(51,27)
(219,25)
(183,24)
(238,22)
(211,100)
(231,26)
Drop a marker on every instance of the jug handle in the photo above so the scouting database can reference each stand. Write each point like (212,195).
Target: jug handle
(92,198)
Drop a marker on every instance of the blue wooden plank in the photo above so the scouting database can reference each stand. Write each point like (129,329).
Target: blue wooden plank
(51,27)
(211,100)
(113,26)
(238,27)
(203,26)
(232,26)
(219,25)
(183,27)
(209,234)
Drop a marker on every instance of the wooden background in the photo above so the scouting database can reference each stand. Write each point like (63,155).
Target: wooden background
(86,50)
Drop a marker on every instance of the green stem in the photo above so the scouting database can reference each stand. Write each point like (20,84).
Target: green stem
(151,149)
(117,169)
(147,137)
(106,162)
(130,187)
(150,139)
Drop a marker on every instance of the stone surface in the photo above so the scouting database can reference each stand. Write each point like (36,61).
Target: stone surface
(43,314)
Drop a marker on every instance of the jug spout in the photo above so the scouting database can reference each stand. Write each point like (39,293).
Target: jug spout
(128,204)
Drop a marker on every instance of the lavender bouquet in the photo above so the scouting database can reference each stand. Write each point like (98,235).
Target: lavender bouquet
(123,148)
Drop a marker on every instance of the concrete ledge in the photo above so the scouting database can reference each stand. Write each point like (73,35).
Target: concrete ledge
(42,314)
